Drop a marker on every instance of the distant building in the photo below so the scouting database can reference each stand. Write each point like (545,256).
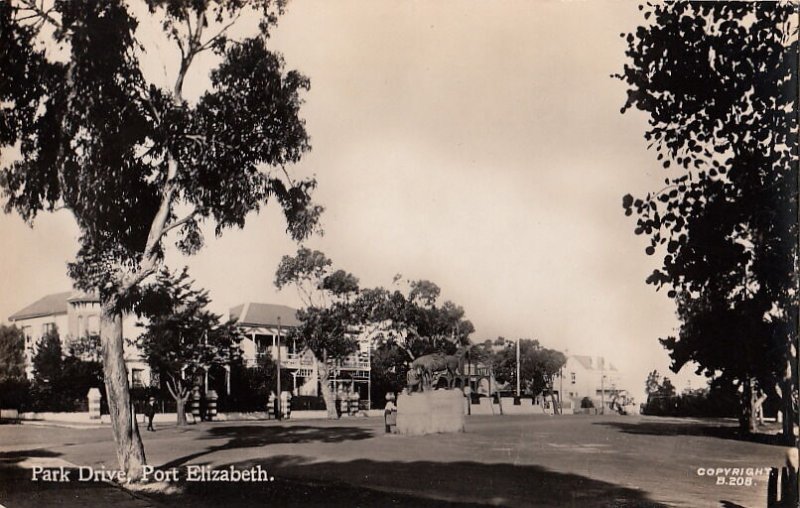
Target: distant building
(589,376)
(73,315)
(259,321)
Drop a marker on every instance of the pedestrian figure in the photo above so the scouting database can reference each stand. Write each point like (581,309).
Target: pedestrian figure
(150,413)
(390,413)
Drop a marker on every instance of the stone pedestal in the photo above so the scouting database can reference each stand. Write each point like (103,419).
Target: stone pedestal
(430,412)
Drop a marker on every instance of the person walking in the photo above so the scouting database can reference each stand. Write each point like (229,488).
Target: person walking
(390,413)
(150,413)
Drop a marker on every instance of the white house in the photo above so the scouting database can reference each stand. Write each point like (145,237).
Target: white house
(589,376)
(74,315)
(266,324)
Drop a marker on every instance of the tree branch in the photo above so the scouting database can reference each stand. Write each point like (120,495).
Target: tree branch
(219,34)
(40,12)
(178,223)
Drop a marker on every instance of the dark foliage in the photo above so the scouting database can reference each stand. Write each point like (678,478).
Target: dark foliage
(718,82)
(61,382)
(12,352)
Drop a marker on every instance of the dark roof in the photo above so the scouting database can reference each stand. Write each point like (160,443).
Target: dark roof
(79,296)
(54,304)
(49,305)
(264,314)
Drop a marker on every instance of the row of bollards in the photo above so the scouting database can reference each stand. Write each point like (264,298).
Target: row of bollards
(211,404)
(279,408)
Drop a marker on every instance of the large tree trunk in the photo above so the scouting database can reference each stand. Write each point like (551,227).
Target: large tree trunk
(751,404)
(325,388)
(787,388)
(746,407)
(180,404)
(180,394)
(756,411)
(556,408)
(130,451)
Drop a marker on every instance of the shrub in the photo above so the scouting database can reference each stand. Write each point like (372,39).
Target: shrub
(15,393)
(587,403)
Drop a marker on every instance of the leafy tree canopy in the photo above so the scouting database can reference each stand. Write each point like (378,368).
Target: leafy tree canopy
(718,83)
(133,160)
(538,365)
(327,320)
(414,319)
(182,337)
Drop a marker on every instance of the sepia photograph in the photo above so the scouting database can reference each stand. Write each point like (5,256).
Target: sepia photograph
(373,253)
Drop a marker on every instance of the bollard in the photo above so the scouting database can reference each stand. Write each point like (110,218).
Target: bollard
(286,404)
(784,481)
(211,398)
(94,403)
(271,406)
(196,403)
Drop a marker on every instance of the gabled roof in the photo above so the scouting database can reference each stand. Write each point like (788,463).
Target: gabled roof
(52,305)
(264,314)
(586,363)
(47,306)
(81,297)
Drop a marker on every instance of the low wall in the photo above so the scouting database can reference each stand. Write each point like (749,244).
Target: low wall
(430,412)
(485,407)
(167,418)
(9,415)
(525,407)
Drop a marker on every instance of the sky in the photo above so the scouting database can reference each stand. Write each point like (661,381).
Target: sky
(479,145)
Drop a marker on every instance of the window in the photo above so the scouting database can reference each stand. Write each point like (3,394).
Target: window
(92,325)
(48,328)
(81,329)
(137,376)
(572,377)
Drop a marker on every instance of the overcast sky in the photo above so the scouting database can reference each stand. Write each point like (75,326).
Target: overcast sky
(476,144)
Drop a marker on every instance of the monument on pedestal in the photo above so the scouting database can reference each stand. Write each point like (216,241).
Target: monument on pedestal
(424,410)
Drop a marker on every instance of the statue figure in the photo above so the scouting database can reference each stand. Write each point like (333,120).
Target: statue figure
(427,366)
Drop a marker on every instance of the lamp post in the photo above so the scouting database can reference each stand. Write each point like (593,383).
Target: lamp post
(518,367)
(279,362)
(602,393)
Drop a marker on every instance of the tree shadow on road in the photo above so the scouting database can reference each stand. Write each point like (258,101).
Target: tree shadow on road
(301,481)
(19,489)
(253,436)
(20,455)
(714,429)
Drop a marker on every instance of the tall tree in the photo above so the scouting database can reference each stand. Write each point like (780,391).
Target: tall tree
(183,339)
(388,369)
(667,389)
(135,162)
(718,82)
(538,367)
(48,360)
(652,384)
(12,352)
(327,322)
(413,320)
